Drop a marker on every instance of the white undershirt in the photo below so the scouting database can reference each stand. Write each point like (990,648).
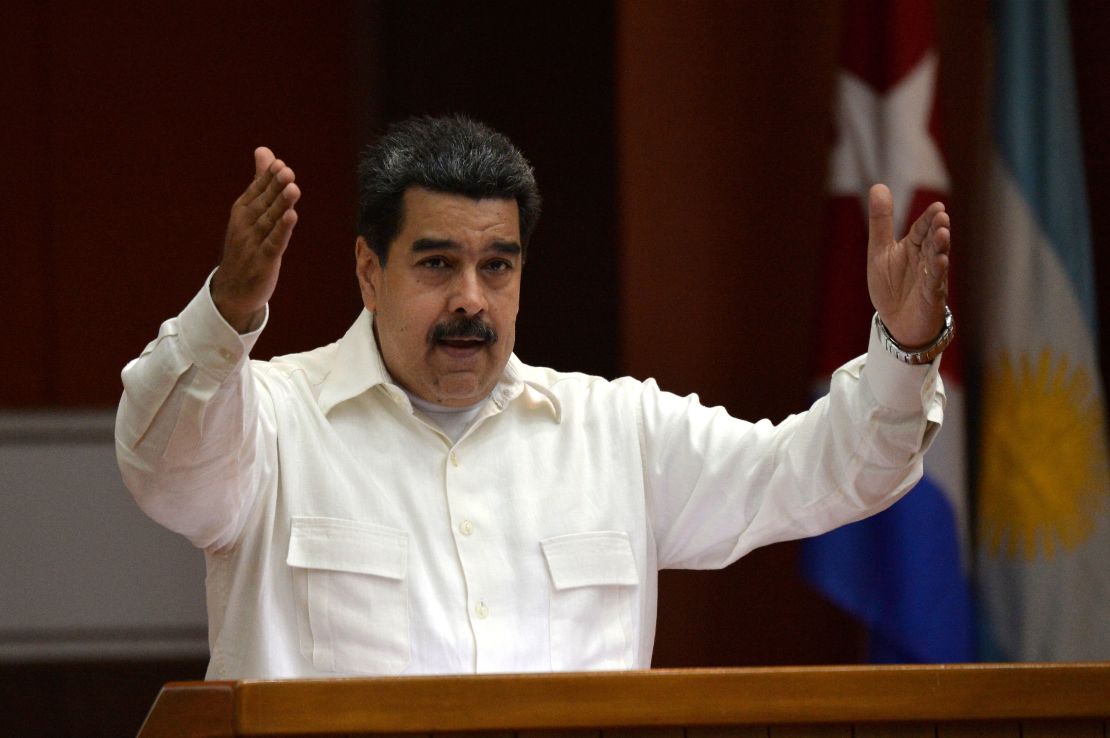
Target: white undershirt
(453,421)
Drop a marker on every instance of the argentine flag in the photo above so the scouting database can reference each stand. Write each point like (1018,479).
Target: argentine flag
(905,572)
(1043,492)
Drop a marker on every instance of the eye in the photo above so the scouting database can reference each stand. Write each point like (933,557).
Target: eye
(434,262)
(499,265)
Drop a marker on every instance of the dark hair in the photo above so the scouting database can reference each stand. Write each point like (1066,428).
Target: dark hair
(452,154)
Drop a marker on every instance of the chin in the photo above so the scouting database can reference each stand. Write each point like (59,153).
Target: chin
(460,392)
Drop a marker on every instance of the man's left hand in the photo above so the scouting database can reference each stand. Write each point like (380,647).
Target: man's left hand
(908,279)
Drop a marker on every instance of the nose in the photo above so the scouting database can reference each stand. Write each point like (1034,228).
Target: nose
(468,297)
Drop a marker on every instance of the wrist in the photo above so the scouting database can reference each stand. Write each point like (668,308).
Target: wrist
(923,354)
(241,322)
(243,319)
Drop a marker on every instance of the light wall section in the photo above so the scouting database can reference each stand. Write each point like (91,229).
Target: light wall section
(86,575)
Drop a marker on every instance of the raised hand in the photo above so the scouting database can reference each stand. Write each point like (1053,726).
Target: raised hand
(258,232)
(908,279)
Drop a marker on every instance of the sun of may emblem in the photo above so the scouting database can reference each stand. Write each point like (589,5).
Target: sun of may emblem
(1043,455)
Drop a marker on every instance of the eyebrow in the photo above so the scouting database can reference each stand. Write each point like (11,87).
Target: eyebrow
(421,245)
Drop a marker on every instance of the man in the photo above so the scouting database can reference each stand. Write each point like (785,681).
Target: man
(415,499)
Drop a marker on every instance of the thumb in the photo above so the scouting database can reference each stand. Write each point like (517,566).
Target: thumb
(880,206)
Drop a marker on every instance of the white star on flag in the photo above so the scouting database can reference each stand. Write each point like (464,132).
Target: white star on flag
(885,138)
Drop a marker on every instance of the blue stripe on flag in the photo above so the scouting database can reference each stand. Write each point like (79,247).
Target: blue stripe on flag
(864,568)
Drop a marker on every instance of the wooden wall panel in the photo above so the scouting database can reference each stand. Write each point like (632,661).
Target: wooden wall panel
(1090,25)
(543,74)
(1062,729)
(25,210)
(719,163)
(724,127)
(149,115)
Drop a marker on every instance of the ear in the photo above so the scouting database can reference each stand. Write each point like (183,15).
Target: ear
(368,269)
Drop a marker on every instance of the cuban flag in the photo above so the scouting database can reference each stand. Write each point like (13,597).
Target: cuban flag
(905,572)
(1043,491)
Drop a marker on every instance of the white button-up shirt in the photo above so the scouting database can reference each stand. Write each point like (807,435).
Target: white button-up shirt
(344,535)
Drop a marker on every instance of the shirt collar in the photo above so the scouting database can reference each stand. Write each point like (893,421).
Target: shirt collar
(531,382)
(358,366)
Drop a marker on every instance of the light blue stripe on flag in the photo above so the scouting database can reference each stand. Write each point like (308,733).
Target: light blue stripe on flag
(1036,128)
(1043,488)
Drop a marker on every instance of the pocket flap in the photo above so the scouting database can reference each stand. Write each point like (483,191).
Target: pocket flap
(347,545)
(590,559)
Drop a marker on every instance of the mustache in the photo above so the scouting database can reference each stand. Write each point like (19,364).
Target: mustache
(463,327)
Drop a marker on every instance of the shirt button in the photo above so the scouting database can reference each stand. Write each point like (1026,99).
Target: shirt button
(454,459)
(466,527)
(227,355)
(499,403)
(481,610)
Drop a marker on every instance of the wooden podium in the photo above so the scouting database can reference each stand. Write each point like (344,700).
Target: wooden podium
(1018,700)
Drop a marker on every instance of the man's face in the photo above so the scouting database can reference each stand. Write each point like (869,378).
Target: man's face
(446,301)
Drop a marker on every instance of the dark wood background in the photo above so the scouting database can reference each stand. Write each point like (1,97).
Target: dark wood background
(680,148)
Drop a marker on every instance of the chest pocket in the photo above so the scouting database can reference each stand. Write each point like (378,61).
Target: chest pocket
(350,583)
(593,578)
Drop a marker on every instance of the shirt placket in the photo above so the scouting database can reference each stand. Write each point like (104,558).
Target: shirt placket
(471,528)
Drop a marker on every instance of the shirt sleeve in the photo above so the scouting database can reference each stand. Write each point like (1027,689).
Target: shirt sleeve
(192,439)
(719,487)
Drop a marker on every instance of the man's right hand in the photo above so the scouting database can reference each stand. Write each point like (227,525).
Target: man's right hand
(258,232)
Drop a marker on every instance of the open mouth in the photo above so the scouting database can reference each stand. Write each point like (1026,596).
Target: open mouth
(461,347)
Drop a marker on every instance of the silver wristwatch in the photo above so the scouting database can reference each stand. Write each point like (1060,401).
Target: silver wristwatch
(925,355)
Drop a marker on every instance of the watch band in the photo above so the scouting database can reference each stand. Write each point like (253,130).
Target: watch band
(922,356)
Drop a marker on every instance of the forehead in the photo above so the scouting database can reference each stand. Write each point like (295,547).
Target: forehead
(430,214)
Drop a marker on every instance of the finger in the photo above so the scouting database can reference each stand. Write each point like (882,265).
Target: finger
(278,198)
(937,243)
(269,225)
(924,225)
(880,209)
(934,268)
(935,282)
(276,179)
(263,160)
(940,233)
(935,257)
(279,237)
